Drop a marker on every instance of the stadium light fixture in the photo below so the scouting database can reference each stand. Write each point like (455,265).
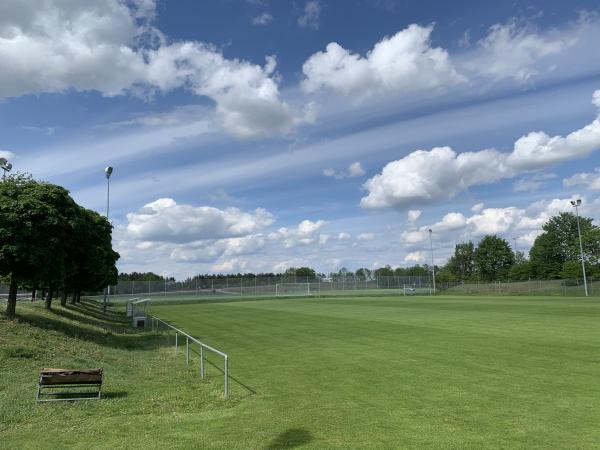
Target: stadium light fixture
(6,166)
(576,204)
(108,170)
(432,263)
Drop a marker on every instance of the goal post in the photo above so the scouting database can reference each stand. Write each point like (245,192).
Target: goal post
(292,289)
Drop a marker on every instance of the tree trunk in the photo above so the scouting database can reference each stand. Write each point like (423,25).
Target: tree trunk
(49,298)
(74,298)
(63,298)
(11,305)
(33,292)
(78,296)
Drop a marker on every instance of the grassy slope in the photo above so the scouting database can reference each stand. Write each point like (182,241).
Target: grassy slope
(327,373)
(147,389)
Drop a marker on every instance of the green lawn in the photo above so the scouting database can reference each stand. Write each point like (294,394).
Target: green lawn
(404,372)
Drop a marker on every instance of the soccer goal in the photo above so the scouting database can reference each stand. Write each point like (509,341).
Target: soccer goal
(292,289)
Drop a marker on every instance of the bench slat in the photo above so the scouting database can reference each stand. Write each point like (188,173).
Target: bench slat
(70,376)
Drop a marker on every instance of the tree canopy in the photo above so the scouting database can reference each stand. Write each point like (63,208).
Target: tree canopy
(48,241)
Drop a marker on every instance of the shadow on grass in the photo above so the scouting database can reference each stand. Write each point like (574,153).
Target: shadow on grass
(294,437)
(114,394)
(96,311)
(83,317)
(103,332)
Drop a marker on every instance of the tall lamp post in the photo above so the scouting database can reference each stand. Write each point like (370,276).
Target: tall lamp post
(577,204)
(6,166)
(108,172)
(432,264)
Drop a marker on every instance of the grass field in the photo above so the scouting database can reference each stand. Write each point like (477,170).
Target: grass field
(404,372)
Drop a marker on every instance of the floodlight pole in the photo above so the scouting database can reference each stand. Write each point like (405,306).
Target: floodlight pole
(5,166)
(432,263)
(577,204)
(108,172)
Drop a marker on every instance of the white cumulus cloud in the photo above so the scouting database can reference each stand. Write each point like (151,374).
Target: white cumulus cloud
(165,220)
(415,257)
(109,46)
(404,62)
(441,173)
(307,232)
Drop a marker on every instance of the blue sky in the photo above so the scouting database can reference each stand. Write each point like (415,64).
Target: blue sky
(254,135)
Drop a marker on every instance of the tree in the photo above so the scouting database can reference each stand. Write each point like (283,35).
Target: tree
(305,272)
(559,243)
(364,273)
(91,257)
(384,272)
(461,264)
(34,224)
(493,258)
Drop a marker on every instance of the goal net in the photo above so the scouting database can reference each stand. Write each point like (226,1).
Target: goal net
(292,289)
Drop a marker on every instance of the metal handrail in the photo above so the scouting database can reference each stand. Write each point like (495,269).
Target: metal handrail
(202,347)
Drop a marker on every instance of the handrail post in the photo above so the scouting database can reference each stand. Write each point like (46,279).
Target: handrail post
(202,361)
(176,341)
(226,375)
(187,351)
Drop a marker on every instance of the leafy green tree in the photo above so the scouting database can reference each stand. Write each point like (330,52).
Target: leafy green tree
(305,272)
(364,273)
(91,257)
(144,276)
(559,243)
(462,264)
(384,272)
(571,270)
(547,261)
(493,258)
(34,224)
(418,270)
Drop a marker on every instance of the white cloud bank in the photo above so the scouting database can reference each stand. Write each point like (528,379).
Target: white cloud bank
(525,224)
(110,47)
(404,62)
(408,63)
(165,221)
(441,173)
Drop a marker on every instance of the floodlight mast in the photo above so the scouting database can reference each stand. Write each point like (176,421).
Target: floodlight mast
(108,172)
(6,166)
(432,264)
(577,204)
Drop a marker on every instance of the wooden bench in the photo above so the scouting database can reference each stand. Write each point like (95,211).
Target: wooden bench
(69,384)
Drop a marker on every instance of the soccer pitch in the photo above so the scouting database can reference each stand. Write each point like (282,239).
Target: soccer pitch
(403,372)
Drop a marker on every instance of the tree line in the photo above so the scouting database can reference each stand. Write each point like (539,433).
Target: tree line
(48,242)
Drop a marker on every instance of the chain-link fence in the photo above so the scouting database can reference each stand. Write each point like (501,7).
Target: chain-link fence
(236,287)
(268,286)
(571,287)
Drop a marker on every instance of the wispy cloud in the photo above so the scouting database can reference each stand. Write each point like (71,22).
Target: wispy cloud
(310,15)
